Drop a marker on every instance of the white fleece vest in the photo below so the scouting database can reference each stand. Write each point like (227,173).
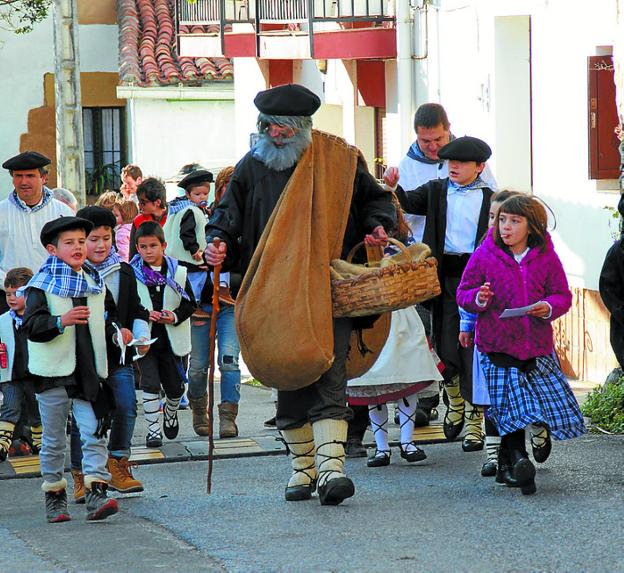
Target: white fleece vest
(58,357)
(8,337)
(179,335)
(175,247)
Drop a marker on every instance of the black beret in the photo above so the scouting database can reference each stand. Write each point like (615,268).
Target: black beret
(466,149)
(99,216)
(289,99)
(26,160)
(196,178)
(52,228)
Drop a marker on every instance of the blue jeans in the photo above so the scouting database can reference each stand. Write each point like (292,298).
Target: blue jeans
(228,353)
(19,399)
(54,406)
(121,382)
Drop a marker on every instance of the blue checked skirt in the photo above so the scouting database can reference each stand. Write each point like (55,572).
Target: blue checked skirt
(544,395)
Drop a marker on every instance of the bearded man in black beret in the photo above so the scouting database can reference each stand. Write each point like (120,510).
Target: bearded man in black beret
(298,199)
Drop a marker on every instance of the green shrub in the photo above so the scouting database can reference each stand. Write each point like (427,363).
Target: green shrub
(605,406)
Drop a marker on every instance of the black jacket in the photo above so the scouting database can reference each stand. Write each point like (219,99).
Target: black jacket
(611,287)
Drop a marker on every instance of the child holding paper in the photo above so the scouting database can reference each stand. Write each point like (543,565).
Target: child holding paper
(516,266)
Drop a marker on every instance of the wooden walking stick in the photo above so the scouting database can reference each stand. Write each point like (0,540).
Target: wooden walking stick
(211,366)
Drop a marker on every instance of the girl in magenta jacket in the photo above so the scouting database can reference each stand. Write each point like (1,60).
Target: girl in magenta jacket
(516,266)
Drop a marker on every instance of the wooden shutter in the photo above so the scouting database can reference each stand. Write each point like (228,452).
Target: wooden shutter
(604,154)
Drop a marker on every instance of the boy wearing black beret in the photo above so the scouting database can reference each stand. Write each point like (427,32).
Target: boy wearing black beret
(456,210)
(69,316)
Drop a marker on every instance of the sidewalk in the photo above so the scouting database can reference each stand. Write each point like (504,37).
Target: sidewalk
(254,439)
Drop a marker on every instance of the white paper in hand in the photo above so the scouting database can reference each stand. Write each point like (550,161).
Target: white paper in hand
(514,312)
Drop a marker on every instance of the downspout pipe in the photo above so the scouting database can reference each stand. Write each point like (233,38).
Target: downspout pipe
(405,72)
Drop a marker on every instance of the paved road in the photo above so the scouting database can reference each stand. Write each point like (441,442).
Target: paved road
(439,515)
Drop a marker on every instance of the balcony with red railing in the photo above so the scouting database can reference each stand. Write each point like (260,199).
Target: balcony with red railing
(287,29)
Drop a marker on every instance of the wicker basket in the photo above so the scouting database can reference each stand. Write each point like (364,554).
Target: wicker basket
(385,289)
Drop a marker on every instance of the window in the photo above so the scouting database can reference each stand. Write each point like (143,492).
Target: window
(604,154)
(105,147)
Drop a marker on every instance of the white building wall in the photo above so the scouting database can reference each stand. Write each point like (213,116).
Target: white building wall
(169,134)
(563,35)
(24,59)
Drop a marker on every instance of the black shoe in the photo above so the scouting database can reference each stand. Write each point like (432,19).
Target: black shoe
(489,468)
(99,506)
(335,491)
(270,423)
(153,441)
(3,454)
(523,472)
(471,445)
(299,492)
(421,417)
(380,459)
(452,431)
(433,415)
(171,426)
(397,419)
(541,453)
(56,506)
(355,448)
(414,455)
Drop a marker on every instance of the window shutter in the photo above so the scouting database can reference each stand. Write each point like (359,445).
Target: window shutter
(604,155)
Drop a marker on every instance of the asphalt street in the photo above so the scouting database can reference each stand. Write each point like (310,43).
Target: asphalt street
(438,515)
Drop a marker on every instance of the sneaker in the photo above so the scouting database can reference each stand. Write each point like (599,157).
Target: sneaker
(171,426)
(56,506)
(184,402)
(19,448)
(99,506)
(122,479)
(153,440)
(79,486)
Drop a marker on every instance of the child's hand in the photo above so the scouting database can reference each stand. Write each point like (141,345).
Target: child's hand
(126,336)
(154,315)
(198,256)
(142,350)
(166,317)
(485,294)
(466,339)
(77,315)
(540,310)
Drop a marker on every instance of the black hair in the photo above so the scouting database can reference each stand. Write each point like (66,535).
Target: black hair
(431,115)
(153,188)
(150,229)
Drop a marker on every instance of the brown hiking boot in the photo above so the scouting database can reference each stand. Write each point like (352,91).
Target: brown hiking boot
(201,424)
(122,479)
(79,486)
(227,420)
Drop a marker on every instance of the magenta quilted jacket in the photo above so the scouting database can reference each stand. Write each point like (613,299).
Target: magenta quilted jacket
(538,277)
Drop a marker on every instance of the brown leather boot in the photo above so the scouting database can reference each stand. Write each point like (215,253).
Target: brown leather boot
(122,479)
(201,425)
(227,420)
(79,486)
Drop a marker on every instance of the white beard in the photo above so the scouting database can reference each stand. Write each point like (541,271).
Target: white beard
(281,158)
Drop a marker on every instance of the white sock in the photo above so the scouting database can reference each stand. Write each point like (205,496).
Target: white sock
(171,406)
(539,434)
(407,408)
(378,415)
(151,408)
(492,443)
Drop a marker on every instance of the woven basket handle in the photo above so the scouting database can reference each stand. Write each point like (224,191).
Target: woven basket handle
(369,253)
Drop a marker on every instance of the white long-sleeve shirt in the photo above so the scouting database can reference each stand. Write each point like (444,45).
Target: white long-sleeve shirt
(20,245)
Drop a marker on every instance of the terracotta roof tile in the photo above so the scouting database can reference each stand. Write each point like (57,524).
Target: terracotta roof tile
(148,52)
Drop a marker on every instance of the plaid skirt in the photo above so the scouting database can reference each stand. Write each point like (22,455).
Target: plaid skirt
(543,395)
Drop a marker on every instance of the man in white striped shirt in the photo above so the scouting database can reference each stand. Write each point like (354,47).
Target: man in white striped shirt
(23,214)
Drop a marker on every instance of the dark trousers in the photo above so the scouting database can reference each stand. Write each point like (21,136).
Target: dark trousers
(457,360)
(327,397)
(4,306)
(161,368)
(358,423)
(19,404)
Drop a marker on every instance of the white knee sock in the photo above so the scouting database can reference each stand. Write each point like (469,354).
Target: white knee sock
(151,408)
(378,415)
(171,406)
(407,407)
(492,443)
